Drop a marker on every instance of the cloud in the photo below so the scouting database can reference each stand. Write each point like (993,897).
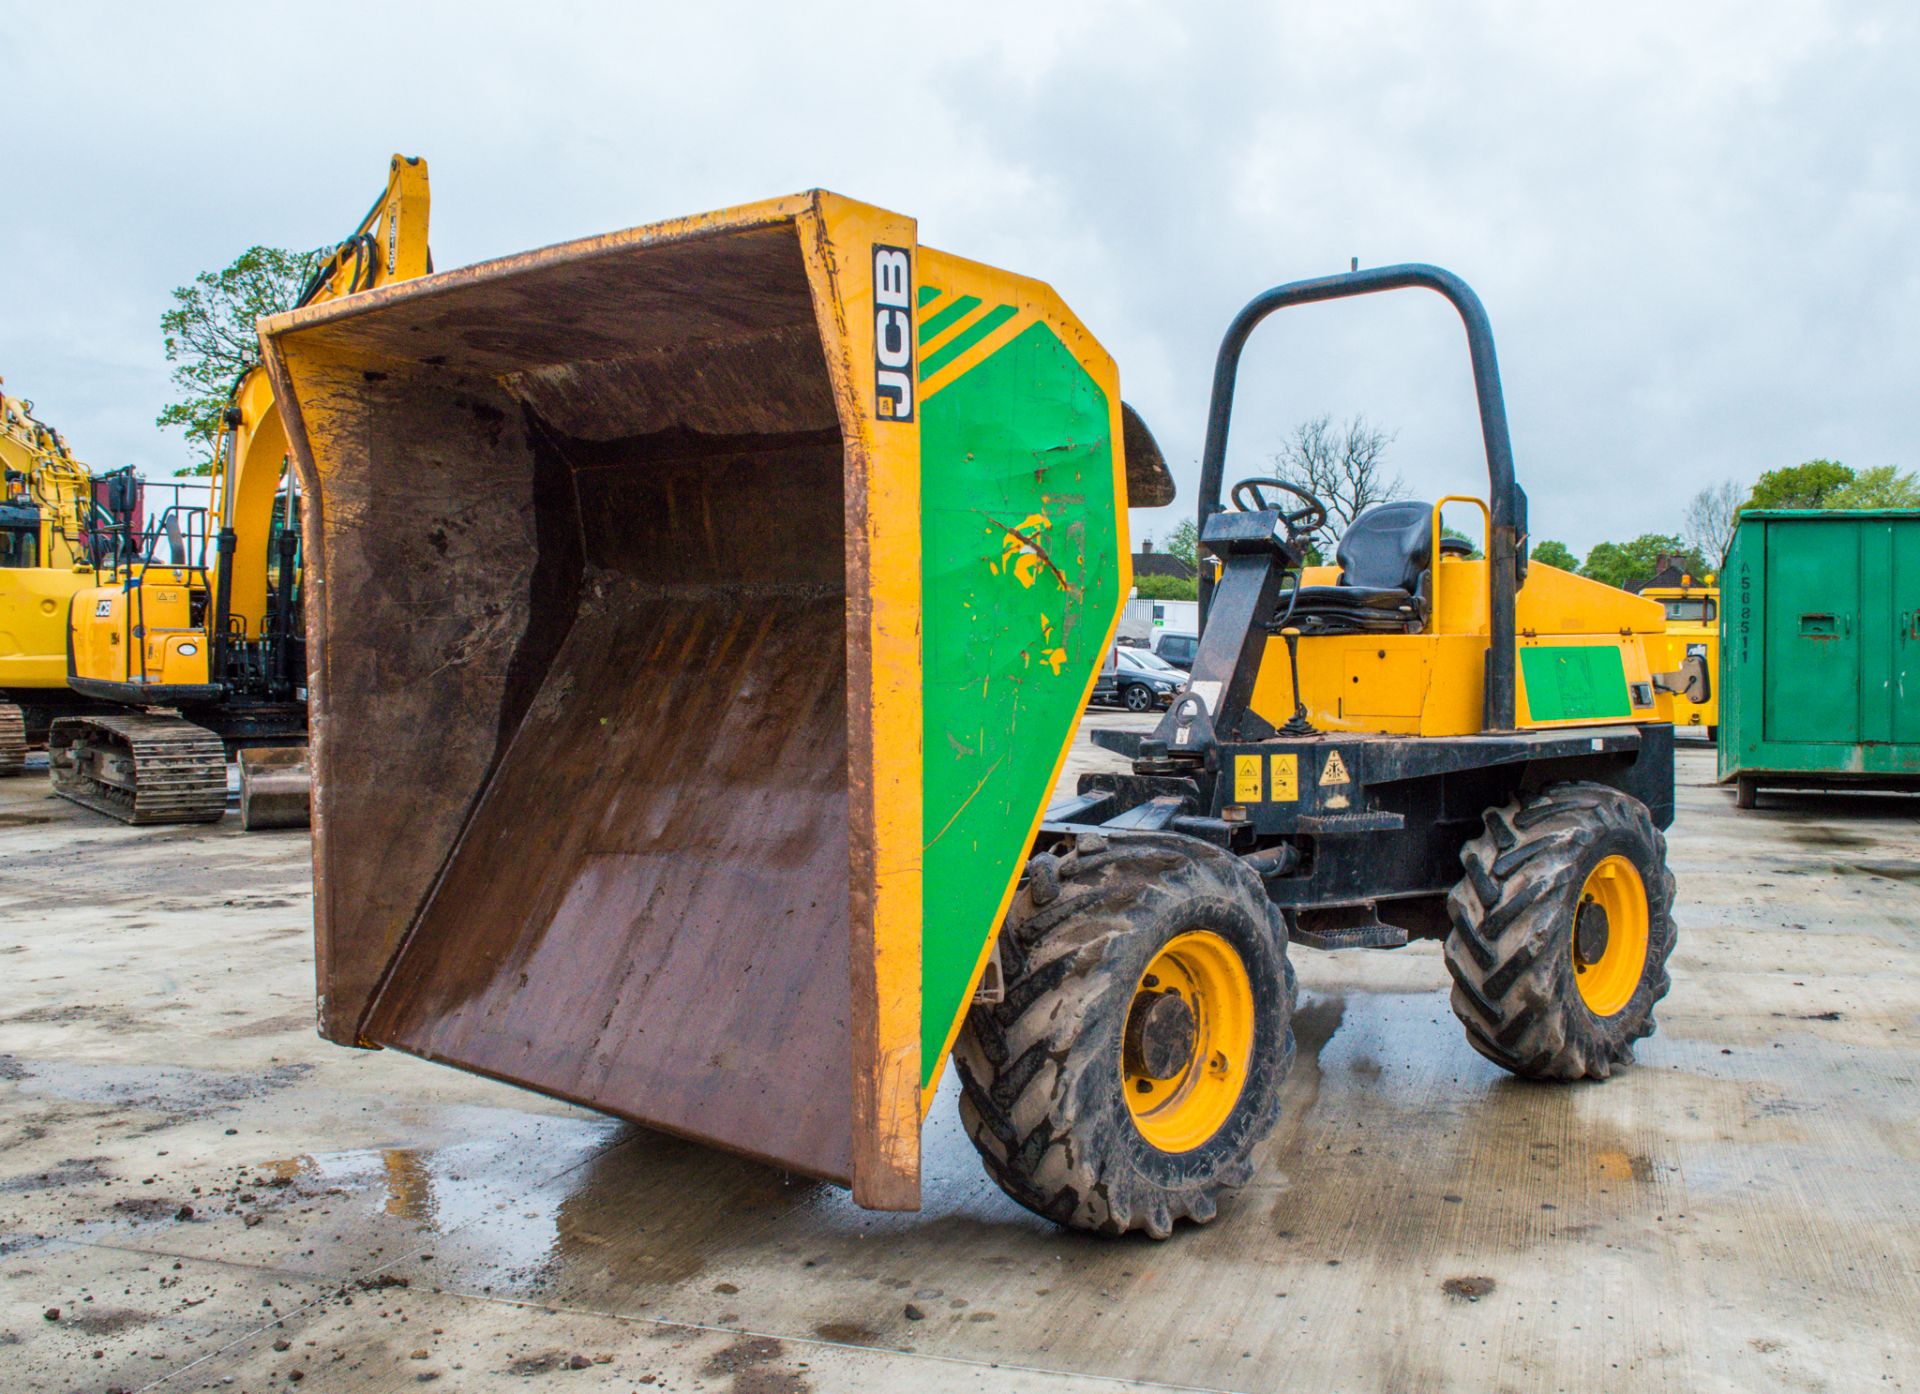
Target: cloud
(1697,228)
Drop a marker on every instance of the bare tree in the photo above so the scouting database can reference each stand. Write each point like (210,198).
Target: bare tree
(1343,465)
(1711,517)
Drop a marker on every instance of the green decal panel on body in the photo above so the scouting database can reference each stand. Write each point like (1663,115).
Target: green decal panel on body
(1020,583)
(1574,683)
(938,357)
(948,315)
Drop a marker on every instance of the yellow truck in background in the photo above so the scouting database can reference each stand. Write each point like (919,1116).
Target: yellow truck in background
(1693,631)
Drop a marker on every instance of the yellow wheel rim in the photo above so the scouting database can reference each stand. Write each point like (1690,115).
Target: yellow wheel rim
(1188,1041)
(1610,936)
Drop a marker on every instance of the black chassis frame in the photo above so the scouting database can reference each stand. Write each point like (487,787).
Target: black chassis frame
(1356,836)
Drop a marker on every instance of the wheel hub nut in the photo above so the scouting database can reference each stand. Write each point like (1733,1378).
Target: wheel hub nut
(1590,933)
(1160,1035)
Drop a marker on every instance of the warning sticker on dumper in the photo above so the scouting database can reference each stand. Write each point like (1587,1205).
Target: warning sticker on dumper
(1334,771)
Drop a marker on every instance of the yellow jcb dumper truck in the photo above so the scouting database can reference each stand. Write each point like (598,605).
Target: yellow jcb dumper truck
(50,523)
(725,594)
(201,652)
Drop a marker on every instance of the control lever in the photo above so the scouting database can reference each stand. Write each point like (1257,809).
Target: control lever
(1297,724)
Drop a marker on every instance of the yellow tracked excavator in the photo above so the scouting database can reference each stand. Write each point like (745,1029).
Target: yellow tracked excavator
(52,519)
(194,636)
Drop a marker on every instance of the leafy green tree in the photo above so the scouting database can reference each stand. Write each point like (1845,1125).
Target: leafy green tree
(1799,486)
(210,338)
(1184,542)
(1618,563)
(1558,554)
(1167,587)
(1884,486)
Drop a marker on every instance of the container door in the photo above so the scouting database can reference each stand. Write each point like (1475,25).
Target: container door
(1813,632)
(1906,632)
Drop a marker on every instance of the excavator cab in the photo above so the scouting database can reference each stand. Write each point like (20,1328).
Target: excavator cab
(44,522)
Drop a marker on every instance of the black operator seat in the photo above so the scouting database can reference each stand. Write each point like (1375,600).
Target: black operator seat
(1383,563)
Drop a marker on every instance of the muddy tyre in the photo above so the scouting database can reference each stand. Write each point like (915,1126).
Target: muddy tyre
(1562,928)
(1136,1058)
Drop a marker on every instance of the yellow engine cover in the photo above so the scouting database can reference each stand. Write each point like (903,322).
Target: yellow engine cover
(1584,659)
(140,634)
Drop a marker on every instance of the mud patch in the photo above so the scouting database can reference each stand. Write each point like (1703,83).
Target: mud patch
(74,1171)
(23,820)
(109,1320)
(50,1016)
(1468,1289)
(747,1361)
(268,1026)
(1616,1164)
(847,1333)
(177,1092)
(1891,871)
(149,1208)
(540,1363)
(1824,835)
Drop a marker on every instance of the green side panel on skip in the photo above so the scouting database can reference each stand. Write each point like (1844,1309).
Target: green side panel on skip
(1020,583)
(1577,682)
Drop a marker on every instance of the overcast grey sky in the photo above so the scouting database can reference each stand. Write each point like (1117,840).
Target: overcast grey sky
(1696,227)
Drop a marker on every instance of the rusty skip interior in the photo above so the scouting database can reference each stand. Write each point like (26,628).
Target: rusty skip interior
(578,543)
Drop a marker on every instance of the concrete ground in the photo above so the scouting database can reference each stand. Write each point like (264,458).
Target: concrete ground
(198,1193)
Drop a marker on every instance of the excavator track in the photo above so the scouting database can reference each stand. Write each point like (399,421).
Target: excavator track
(13,739)
(140,769)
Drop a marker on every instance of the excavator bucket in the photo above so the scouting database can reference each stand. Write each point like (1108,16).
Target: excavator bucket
(698,617)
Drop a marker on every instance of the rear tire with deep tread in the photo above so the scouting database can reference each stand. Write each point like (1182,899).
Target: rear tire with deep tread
(1510,950)
(1040,1071)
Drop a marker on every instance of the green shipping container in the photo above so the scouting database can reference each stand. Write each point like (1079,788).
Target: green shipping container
(1820,651)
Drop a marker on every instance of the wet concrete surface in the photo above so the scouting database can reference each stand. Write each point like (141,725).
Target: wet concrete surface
(198,1193)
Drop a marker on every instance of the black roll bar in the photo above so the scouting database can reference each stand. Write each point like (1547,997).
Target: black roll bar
(1506,548)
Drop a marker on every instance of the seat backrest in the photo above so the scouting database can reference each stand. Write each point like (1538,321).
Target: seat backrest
(1387,547)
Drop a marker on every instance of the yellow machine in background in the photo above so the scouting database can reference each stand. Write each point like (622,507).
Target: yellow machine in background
(47,511)
(1693,632)
(213,632)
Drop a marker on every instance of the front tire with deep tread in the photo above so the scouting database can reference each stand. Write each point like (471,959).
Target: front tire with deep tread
(1040,1071)
(1510,949)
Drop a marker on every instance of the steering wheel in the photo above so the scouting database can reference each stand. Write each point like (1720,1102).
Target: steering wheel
(1249,496)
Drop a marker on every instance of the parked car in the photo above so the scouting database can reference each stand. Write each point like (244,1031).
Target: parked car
(1138,679)
(1176,647)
